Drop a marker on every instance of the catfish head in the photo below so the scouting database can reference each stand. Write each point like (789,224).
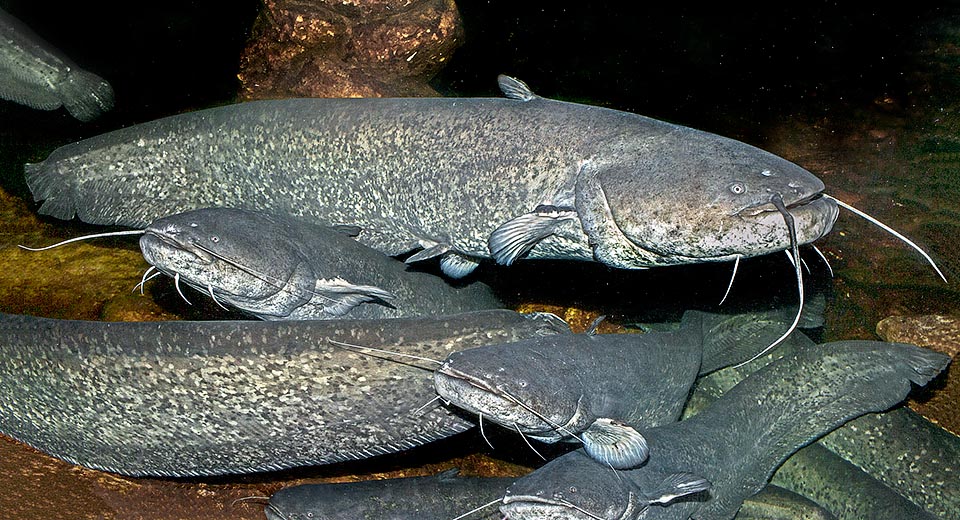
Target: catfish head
(234,255)
(530,385)
(687,196)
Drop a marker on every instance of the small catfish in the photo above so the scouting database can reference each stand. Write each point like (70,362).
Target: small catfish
(736,444)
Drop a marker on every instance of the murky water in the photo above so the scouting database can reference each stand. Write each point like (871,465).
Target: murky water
(866,100)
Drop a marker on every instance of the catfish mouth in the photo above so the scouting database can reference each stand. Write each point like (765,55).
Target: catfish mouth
(763,208)
(494,403)
(160,239)
(273,513)
(184,263)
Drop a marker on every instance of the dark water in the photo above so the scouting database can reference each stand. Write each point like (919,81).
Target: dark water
(866,98)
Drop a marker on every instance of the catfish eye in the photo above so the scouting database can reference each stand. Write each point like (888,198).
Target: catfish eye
(215,239)
(738,188)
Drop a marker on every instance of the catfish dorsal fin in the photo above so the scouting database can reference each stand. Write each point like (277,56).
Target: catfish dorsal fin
(513,88)
(592,330)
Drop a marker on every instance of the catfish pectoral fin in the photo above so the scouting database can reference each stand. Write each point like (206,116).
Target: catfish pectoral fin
(456,265)
(517,236)
(340,295)
(677,485)
(452,263)
(427,253)
(615,444)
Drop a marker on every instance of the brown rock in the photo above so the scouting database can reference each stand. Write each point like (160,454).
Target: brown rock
(940,333)
(351,48)
(135,307)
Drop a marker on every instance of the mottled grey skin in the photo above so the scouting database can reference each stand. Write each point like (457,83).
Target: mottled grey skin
(278,267)
(447,496)
(903,454)
(35,74)
(438,497)
(444,174)
(815,471)
(775,503)
(907,452)
(738,442)
(207,398)
(843,488)
(571,381)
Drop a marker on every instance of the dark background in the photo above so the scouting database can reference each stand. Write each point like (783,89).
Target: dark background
(703,66)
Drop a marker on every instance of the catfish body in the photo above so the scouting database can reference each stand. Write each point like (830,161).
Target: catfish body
(207,398)
(553,388)
(463,179)
(892,464)
(846,490)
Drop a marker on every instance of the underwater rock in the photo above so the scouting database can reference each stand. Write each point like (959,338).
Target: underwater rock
(937,332)
(134,307)
(940,333)
(361,48)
